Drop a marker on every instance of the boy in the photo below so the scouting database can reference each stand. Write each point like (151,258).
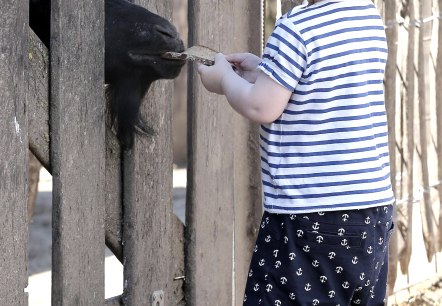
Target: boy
(318,93)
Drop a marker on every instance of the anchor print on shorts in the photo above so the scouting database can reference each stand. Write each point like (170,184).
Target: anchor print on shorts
(306,259)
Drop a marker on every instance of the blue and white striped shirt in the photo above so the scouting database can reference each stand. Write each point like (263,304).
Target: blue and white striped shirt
(329,148)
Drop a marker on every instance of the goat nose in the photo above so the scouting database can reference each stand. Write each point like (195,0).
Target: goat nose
(166,31)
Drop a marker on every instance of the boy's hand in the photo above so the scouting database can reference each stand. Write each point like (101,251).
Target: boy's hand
(246,64)
(212,76)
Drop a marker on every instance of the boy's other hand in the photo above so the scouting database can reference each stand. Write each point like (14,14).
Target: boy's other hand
(212,76)
(246,65)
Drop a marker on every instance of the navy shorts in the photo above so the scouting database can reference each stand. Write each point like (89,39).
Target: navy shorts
(329,258)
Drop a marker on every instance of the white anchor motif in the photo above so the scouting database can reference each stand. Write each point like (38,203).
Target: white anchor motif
(344,242)
(268,238)
(299,272)
(292,256)
(283,280)
(364,235)
(358,289)
(292,217)
(265,276)
(319,239)
(277,264)
(308,287)
(331,255)
(323,278)
(341,232)
(261,262)
(275,253)
(278,303)
(345,285)
(315,263)
(267,220)
(250,273)
(269,288)
(306,217)
(381,241)
(315,302)
(256,287)
(315,226)
(292,296)
(345,217)
(370,249)
(286,239)
(300,233)
(386,209)
(256,249)
(282,224)
(306,248)
(367,220)
(339,269)
(321,213)
(354,260)
(263,224)
(357,302)
(362,276)
(331,294)
(367,283)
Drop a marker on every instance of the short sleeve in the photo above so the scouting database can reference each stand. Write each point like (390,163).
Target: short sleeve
(285,56)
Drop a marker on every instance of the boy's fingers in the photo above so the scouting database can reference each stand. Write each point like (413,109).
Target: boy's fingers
(236,57)
(201,68)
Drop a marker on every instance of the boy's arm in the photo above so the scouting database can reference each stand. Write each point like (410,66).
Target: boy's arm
(262,102)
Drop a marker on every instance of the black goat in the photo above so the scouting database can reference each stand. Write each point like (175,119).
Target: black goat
(134,40)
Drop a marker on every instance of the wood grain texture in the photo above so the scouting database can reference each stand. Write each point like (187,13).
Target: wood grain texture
(428,220)
(210,189)
(248,18)
(147,232)
(39,143)
(223,199)
(77,152)
(438,83)
(390,8)
(14,153)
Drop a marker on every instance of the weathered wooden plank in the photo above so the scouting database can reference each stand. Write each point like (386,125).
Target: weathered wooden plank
(39,142)
(77,152)
(114,301)
(14,153)
(248,16)
(147,233)
(210,191)
(405,254)
(390,103)
(428,219)
(438,83)
(38,97)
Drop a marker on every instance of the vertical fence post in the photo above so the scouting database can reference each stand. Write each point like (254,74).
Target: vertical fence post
(390,103)
(77,152)
(14,152)
(148,168)
(248,21)
(405,253)
(209,211)
(428,220)
(438,83)
(223,194)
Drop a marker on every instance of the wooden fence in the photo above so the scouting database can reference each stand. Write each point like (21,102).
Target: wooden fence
(93,178)
(101,194)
